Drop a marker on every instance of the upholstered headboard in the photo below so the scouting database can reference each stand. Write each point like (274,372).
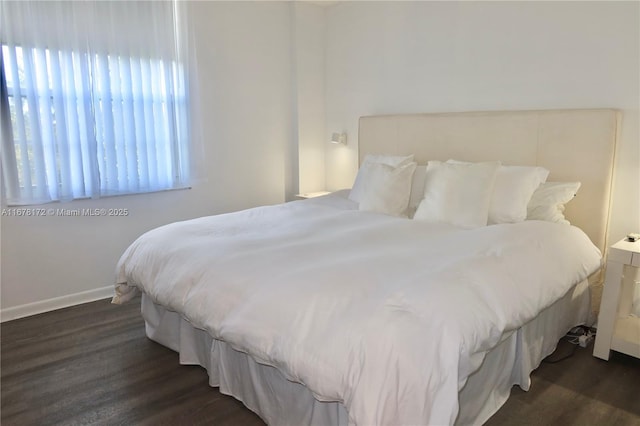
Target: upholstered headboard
(575,145)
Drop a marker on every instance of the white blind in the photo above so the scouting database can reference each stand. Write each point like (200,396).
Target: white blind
(92,115)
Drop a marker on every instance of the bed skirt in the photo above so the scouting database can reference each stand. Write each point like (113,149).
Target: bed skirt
(278,401)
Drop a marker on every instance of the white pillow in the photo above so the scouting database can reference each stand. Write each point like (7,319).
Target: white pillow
(547,202)
(459,194)
(513,190)
(362,176)
(514,187)
(417,188)
(387,189)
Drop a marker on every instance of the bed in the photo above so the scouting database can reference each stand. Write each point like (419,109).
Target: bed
(316,312)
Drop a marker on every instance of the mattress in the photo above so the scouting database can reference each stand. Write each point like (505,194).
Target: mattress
(279,401)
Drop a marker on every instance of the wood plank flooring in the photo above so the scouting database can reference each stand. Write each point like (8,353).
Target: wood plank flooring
(92,365)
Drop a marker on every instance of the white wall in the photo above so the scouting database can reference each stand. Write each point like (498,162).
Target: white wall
(404,57)
(244,63)
(309,71)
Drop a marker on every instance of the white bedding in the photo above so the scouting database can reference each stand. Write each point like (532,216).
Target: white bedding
(387,315)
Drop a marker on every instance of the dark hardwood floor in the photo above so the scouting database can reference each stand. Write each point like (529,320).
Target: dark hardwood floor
(92,364)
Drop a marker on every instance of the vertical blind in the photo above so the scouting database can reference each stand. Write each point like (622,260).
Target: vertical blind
(92,120)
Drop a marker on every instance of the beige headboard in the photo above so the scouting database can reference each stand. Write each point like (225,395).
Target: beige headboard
(575,145)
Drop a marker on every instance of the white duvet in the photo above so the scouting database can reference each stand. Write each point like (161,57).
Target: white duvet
(388,316)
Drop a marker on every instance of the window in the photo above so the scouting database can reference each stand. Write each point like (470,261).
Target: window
(90,123)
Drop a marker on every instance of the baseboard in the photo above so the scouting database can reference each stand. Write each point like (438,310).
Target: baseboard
(34,308)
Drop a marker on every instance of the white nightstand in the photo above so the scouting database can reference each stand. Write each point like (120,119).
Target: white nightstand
(617,330)
(306,195)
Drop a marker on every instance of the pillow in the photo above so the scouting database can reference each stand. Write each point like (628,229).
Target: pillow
(513,190)
(362,176)
(387,189)
(459,194)
(547,202)
(417,188)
